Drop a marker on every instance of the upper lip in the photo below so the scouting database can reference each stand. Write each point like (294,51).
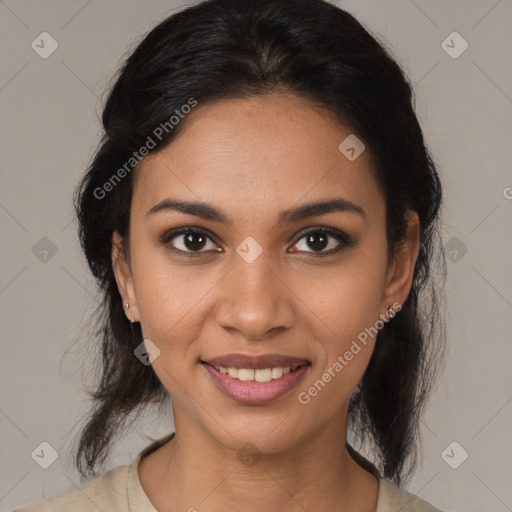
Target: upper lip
(256,362)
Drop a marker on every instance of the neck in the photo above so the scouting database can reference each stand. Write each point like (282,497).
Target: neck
(194,471)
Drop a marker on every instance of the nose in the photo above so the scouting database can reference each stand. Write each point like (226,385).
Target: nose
(254,300)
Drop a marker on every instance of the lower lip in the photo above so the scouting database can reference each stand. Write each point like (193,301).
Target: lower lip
(252,392)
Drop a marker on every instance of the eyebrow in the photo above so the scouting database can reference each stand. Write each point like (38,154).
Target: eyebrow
(208,212)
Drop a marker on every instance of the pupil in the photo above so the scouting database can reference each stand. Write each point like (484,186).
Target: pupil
(194,241)
(313,240)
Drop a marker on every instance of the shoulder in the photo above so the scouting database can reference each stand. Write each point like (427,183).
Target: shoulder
(115,490)
(392,498)
(104,493)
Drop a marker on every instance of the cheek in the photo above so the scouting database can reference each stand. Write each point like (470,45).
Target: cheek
(344,327)
(358,303)
(345,298)
(167,296)
(345,305)
(169,306)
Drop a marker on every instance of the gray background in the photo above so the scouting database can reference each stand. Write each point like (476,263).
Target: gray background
(49,127)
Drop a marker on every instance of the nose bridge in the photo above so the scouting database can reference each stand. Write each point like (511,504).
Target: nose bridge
(254,300)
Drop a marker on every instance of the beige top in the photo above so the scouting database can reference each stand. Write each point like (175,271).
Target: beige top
(120,490)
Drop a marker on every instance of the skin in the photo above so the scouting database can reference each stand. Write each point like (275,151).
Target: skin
(252,159)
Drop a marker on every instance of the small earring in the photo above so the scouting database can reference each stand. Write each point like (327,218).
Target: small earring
(126,306)
(392,311)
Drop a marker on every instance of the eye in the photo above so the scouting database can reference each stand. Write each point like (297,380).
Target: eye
(189,240)
(192,241)
(319,239)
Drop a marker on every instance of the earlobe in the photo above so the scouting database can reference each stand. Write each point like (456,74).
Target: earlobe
(123,276)
(401,272)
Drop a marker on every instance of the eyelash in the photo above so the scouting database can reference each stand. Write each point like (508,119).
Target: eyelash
(344,239)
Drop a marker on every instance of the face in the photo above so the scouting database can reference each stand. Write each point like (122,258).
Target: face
(254,272)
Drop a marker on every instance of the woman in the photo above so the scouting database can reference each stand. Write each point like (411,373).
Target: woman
(261,217)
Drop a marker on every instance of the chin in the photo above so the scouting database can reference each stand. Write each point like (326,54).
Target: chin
(258,436)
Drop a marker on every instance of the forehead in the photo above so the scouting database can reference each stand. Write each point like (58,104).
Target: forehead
(249,155)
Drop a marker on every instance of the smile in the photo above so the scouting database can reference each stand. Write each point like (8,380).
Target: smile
(259,386)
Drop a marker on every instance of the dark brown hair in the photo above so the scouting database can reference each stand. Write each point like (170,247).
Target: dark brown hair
(220,49)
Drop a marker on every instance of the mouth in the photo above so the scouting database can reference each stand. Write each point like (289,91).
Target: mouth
(255,380)
(257,374)
(262,368)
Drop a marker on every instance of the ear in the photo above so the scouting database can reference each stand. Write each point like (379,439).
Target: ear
(124,278)
(401,271)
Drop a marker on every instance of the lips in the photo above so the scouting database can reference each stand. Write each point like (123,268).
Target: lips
(256,393)
(256,362)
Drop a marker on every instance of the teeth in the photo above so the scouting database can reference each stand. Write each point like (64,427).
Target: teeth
(259,375)
(245,374)
(232,372)
(277,372)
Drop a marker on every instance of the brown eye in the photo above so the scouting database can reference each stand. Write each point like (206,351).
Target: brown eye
(323,241)
(317,241)
(188,240)
(194,241)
